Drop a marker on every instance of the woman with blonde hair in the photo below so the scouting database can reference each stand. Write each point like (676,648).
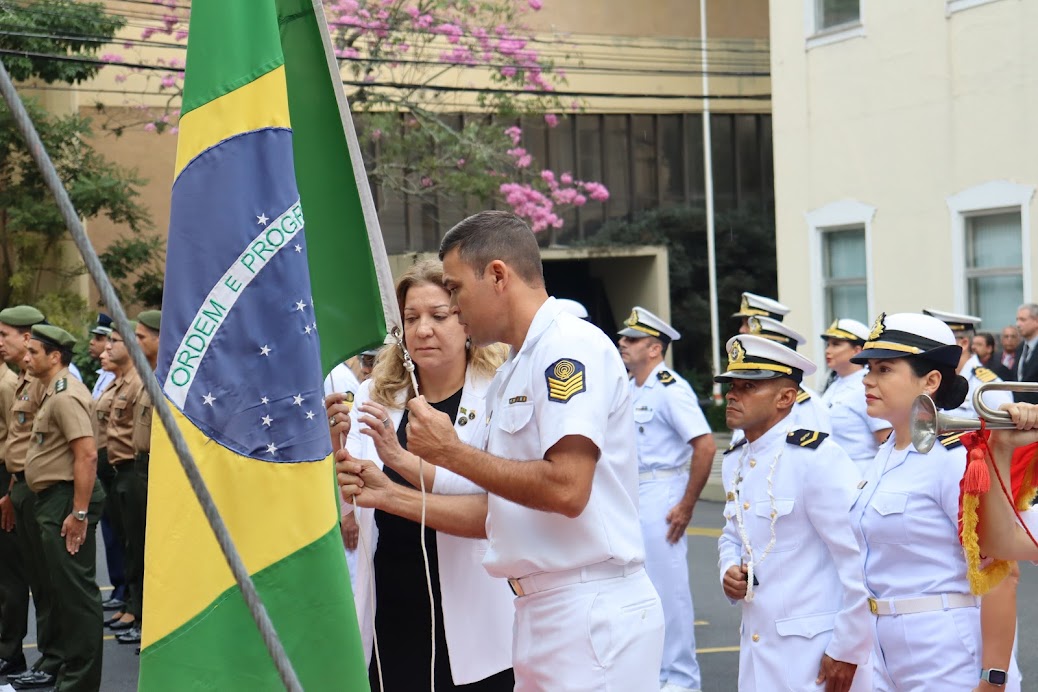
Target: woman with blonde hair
(473,611)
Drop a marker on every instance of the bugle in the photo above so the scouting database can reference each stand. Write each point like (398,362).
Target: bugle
(928,423)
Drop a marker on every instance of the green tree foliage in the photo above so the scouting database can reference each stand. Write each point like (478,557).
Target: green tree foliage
(745,241)
(35,266)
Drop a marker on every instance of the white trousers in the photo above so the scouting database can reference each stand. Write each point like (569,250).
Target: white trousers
(667,566)
(926,652)
(598,636)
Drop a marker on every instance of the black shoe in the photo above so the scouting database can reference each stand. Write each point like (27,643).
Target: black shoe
(13,667)
(113,604)
(116,617)
(120,625)
(132,636)
(32,680)
(138,651)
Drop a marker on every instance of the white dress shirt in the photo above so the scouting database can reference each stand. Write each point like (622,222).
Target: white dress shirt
(853,428)
(667,418)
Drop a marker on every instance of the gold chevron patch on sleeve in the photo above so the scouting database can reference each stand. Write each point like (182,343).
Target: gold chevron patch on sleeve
(802,396)
(565,378)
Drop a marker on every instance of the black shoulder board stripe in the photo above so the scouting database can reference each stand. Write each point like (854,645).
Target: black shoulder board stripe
(802,396)
(666,377)
(951,440)
(983,374)
(806,438)
(735,445)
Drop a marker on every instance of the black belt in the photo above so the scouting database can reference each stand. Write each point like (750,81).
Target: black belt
(53,487)
(142,457)
(19,476)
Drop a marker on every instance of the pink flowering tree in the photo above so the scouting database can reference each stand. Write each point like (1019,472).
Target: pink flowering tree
(410,66)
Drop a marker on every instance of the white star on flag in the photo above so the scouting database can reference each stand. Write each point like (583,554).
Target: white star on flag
(299,248)
(300,305)
(314,326)
(262,219)
(265,351)
(308,329)
(309,415)
(264,400)
(272,448)
(208,399)
(267,420)
(297,400)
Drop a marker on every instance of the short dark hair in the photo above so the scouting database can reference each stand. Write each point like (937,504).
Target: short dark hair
(988,338)
(48,348)
(496,235)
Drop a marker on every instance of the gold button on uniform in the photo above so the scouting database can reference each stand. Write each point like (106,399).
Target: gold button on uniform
(753,463)
(746,505)
(756,637)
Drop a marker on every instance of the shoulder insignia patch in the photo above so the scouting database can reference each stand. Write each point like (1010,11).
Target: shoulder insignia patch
(61,385)
(806,438)
(665,377)
(802,396)
(565,379)
(951,440)
(983,374)
(735,446)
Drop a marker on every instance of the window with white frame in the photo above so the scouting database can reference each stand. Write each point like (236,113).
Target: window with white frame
(844,274)
(831,14)
(994,267)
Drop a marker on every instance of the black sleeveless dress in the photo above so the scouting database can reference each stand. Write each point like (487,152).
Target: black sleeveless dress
(402,612)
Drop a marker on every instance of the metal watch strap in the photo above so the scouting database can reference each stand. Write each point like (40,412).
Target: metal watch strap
(81,515)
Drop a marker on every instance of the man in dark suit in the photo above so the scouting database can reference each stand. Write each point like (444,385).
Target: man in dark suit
(983,346)
(1026,359)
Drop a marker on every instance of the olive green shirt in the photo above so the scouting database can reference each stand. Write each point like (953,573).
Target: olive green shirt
(142,422)
(25,403)
(125,391)
(63,416)
(8,382)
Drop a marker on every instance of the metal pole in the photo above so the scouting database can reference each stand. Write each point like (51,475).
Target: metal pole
(151,384)
(708,174)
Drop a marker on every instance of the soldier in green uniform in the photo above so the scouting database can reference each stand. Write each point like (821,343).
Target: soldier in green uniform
(15,325)
(147,334)
(14,589)
(61,469)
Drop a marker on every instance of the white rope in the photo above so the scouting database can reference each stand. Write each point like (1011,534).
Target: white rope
(409,367)
(740,522)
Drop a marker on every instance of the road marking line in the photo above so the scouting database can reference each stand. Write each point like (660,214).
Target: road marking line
(702,531)
(718,650)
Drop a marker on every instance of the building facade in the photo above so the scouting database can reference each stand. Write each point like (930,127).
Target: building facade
(905,167)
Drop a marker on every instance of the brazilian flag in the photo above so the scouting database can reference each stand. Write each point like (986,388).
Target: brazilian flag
(275,272)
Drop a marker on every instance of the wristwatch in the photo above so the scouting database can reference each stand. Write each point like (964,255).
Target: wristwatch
(81,515)
(994,676)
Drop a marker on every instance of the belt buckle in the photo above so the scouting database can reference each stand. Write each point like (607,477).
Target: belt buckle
(516,587)
(874,606)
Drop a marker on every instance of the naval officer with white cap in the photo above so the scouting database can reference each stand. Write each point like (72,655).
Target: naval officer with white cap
(854,429)
(964,327)
(668,422)
(753,305)
(789,552)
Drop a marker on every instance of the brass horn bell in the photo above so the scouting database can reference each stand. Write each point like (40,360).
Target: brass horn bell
(928,423)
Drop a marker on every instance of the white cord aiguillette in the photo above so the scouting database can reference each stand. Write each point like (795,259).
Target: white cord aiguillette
(740,522)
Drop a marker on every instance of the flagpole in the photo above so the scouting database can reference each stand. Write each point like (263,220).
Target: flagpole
(151,384)
(708,171)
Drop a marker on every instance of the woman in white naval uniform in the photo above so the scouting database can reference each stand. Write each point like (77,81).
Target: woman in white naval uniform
(853,428)
(476,611)
(927,621)
(789,552)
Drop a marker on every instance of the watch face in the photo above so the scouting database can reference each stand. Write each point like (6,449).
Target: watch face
(997,677)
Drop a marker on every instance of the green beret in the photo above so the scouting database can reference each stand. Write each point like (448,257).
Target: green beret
(133,327)
(21,316)
(54,336)
(151,319)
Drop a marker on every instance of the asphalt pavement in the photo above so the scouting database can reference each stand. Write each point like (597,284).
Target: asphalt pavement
(717,622)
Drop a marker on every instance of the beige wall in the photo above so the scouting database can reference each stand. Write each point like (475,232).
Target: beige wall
(926,104)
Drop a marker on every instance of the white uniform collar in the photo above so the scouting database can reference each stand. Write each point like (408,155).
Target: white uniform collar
(767,441)
(650,381)
(973,362)
(545,315)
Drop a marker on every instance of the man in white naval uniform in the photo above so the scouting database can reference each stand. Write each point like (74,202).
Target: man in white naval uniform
(788,551)
(562,507)
(753,305)
(669,421)
(964,327)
